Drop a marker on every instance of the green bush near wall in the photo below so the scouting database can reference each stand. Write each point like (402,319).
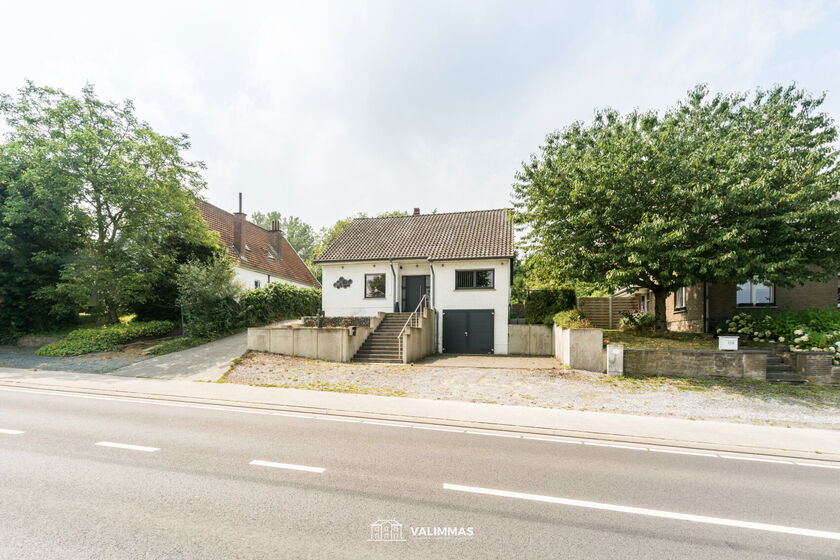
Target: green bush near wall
(276,302)
(542,305)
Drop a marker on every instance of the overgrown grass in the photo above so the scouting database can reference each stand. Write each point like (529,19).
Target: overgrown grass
(334,387)
(660,340)
(102,339)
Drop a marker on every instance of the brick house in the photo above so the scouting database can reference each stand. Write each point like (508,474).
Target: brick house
(261,256)
(703,307)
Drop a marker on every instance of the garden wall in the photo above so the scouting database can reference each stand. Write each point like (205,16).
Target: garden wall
(580,348)
(815,368)
(419,342)
(531,340)
(746,364)
(334,344)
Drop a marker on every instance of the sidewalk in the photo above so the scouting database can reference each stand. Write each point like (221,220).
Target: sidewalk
(795,442)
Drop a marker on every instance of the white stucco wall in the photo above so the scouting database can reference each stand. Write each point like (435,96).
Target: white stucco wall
(247,276)
(497,299)
(351,301)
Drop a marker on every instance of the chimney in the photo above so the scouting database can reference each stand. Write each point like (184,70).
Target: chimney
(276,236)
(416,211)
(239,230)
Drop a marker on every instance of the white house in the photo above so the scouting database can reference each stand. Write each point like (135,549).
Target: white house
(461,262)
(261,256)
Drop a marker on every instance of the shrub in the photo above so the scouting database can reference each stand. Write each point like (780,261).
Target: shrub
(636,320)
(809,330)
(572,319)
(275,302)
(542,305)
(83,341)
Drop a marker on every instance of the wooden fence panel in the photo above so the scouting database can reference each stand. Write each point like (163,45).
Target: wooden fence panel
(597,309)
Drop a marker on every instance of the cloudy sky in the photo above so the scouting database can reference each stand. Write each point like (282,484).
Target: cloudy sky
(322,109)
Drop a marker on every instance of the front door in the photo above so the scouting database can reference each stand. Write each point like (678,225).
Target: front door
(414,288)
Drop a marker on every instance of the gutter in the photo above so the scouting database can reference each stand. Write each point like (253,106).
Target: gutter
(394,276)
(432,304)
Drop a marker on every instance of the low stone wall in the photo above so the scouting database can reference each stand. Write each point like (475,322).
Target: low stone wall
(580,348)
(747,364)
(815,368)
(336,321)
(32,341)
(530,340)
(334,344)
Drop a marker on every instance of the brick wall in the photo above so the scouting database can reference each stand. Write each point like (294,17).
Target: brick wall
(688,363)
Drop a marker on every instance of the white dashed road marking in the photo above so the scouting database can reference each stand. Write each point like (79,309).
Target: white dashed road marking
(127,446)
(287,466)
(11,432)
(647,512)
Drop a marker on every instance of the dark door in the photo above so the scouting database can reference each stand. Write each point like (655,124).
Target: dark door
(415,287)
(468,331)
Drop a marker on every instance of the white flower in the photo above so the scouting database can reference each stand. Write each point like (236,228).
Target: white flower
(805,338)
(781,339)
(797,331)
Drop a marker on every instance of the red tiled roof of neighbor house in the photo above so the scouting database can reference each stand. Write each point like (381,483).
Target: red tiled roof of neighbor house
(456,235)
(289,266)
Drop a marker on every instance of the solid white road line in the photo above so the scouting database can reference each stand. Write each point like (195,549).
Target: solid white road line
(756,459)
(127,446)
(391,424)
(11,432)
(648,512)
(493,434)
(286,466)
(337,419)
(433,429)
(679,452)
(819,466)
(615,445)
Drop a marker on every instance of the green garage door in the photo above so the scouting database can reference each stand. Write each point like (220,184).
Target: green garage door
(468,331)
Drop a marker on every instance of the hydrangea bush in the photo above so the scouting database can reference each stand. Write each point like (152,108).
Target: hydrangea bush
(812,330)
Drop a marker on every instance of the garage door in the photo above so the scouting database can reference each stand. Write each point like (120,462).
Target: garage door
(468,331)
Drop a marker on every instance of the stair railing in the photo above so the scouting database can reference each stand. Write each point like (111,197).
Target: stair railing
(412,321)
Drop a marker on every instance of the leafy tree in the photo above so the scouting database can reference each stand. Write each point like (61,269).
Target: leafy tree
(300,235)
(134,188)
(720,188)
(209,291)
(39,232)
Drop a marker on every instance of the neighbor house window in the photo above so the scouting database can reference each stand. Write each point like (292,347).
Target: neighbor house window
(755,293)
(256,283)
(375,285)
(473,279)
(679,299)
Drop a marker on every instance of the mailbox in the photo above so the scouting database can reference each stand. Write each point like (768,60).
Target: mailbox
(727,343)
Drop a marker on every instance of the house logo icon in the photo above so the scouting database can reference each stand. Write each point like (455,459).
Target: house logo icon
(386,530)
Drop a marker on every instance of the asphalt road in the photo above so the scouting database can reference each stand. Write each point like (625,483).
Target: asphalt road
(91,477)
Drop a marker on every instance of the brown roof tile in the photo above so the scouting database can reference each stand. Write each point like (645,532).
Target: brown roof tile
(289,266)
(456,235)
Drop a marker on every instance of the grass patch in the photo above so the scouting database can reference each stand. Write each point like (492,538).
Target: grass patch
(102,339)
(333,387)
(660,340)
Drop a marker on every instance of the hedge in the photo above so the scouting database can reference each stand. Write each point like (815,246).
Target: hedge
(276,302)
(542,305)
(102,339)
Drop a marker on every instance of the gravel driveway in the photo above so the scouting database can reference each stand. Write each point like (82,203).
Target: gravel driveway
(753,402)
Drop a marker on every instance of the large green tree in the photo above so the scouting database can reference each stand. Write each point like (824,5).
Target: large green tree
(300,235)
(719,188)
(132,186)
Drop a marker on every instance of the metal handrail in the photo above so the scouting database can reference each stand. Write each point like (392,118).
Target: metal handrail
(405,326)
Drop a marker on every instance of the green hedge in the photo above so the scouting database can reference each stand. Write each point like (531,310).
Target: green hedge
(82,341)
(542,305)
(275,302)
(571,319)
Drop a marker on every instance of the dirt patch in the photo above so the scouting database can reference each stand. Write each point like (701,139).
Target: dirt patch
(737,401)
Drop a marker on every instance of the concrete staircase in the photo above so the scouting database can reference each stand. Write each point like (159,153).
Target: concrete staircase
(779,369)
(382,345)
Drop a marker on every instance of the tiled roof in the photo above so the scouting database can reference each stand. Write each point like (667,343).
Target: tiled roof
(289,266)
(456,235)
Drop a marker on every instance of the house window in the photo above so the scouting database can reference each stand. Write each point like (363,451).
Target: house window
(375,286)
(679,299)
(644,303)
(256,283)
(755,293)
(474,279)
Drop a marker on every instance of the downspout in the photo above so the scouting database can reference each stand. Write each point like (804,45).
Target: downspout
(432,305)
(705,307)
(394,276)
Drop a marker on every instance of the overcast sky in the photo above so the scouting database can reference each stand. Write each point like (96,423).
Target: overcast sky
(322,109)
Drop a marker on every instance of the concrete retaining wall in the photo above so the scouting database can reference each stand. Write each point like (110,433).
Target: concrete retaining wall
(531,340)
(695,363)
(579,348)
(419,342)
(334,344)
(32,341)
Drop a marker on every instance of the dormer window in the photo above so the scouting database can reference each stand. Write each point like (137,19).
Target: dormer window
(247,248)
(268,254)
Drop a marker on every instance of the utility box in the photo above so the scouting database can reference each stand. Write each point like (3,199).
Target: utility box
(615,359)
(727,343)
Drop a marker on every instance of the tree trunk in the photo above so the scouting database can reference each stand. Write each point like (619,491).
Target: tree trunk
(660,322)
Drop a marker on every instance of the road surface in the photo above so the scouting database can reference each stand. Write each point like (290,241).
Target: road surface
(83,476)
